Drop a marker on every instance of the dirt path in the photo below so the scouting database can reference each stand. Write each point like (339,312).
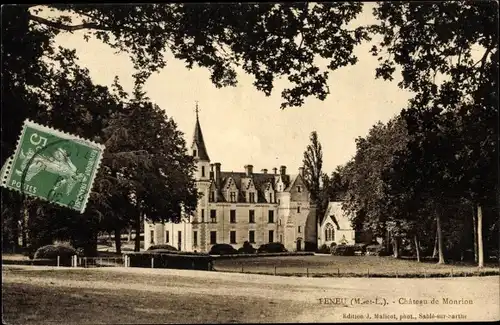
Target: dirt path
(305,299)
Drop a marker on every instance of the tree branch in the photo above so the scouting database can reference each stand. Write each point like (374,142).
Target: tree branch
(69,28)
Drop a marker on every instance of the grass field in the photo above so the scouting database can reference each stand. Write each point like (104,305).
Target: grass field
(49,295)
(329,265)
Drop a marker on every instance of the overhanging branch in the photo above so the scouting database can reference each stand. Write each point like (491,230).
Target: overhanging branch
(69,28)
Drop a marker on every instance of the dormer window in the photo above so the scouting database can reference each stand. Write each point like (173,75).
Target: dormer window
(298,209)
(232,196)
(212,196)
(251,197)
(203,171)
(194,153)
(299,189)
(271,197)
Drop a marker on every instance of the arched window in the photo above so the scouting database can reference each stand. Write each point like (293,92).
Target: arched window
(329,232)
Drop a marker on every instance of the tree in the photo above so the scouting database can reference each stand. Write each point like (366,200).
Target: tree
(266,40)
(313,165)
(366,195)
(436,48)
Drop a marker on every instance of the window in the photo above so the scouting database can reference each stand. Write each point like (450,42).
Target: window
(232,196)
(152,233)
(279,201)
(251,216)
(195,238)
(270,216)
(203,171)
(232,216)
(194,152)
(232,237)
(281,238)
(271,236)
(202,215)
(279,222)
(167,237)
(251,197)
(329,232)
(251,236)
(298,209)
(213,216)
(299,189)
(212,196)
(271,197)
(179,237)
(299,229)
(213,237)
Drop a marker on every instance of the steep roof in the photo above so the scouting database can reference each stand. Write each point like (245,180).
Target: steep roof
(200,143)
(260,181)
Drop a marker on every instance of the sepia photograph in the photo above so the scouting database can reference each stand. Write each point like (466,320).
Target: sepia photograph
(250,162)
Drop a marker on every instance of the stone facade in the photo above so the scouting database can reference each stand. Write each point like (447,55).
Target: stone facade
(336,226)
(241,206)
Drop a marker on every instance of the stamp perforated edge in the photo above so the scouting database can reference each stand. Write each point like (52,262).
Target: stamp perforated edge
(6,173)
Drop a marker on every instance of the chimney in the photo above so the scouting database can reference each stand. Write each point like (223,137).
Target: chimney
(275,170)
(217,174)
(248,170)
(211,171)
(301,171)
(283,170)
(264,171)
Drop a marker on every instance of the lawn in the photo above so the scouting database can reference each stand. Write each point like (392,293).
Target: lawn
(50,295)
(329,265)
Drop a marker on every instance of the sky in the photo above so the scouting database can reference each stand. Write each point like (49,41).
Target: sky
(240,124)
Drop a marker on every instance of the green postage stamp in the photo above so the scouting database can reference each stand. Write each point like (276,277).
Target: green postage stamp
(53,165)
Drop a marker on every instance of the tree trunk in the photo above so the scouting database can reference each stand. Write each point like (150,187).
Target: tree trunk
(118,240)
(417,249)
(435,252)
(137,243)
(480,236)
(24,228)
(440,239)
(474,230)
(395,247)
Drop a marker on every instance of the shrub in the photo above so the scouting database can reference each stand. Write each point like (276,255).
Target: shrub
(247,248)
(344,250)
(376,250)
(222,249)
(272,248)
(165,247)
(324,249)
(50,252)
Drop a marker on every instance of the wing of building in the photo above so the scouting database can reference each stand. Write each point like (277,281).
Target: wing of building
(240,206)
(336,226)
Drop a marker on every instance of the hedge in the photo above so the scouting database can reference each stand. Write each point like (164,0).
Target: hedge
(171,260)
(165,247)
(51,252)
(264,255)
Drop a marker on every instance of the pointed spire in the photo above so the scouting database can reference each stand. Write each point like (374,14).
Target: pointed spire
(198,139)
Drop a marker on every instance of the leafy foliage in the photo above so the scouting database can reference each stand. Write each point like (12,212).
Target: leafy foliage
(266,40)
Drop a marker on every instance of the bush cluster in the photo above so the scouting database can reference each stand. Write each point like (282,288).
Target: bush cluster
(376,250)
(348,250)
(247,248)
(272,248)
